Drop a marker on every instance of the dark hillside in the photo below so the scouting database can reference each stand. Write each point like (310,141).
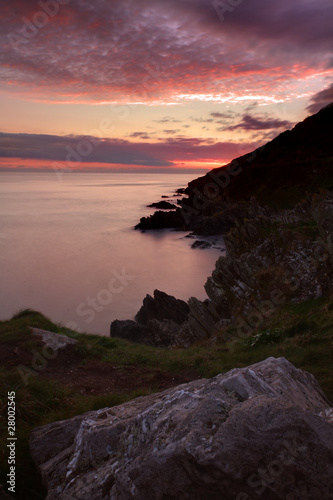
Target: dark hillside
(281,172)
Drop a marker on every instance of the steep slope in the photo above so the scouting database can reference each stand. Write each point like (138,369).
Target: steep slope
(278,175)
(296,161)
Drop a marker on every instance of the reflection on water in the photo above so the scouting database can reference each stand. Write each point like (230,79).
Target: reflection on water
(68,248)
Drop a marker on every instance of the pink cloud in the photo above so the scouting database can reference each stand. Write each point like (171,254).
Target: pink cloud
(152,50)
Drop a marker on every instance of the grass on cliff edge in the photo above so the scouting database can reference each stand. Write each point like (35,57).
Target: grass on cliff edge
(302,333)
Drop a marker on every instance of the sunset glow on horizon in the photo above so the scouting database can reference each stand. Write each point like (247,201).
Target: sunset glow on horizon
(168,85)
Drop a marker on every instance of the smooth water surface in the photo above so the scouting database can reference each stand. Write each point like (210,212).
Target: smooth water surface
(69,249)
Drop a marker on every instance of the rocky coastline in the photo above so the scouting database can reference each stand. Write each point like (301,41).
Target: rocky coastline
(274,208)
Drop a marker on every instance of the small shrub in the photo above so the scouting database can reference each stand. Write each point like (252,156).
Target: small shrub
(269,336)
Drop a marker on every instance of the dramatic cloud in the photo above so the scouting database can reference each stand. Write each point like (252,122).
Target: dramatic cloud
(163,51)
(249,123)
(321,99)
(74,150)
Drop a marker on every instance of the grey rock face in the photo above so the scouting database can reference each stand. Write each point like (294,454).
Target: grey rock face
(265,261)
(260,432)
(52,340)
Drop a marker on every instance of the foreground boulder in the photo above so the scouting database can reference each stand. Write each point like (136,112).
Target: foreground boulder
(260,432)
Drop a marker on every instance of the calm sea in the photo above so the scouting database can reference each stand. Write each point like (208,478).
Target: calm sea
(69,249)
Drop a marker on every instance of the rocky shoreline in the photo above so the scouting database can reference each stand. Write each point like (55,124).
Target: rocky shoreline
(274,253)
(272,257)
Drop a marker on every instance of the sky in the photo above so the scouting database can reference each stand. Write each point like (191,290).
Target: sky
(156,85)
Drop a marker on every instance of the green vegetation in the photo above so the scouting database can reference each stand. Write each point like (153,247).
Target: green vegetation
(303,333)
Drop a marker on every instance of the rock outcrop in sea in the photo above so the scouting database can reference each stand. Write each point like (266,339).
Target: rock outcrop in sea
(263,432)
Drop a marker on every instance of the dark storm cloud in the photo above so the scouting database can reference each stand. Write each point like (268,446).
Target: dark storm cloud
(321,99)
(250,123)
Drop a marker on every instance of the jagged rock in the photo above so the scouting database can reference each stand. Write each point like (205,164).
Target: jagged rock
(266,262)
(181,191)
(161,220)
(260,432)
(162,205)
(164,333)
(164,321)
(201,244)
(202,319)
(271,257)
(157,323)
(162,306)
